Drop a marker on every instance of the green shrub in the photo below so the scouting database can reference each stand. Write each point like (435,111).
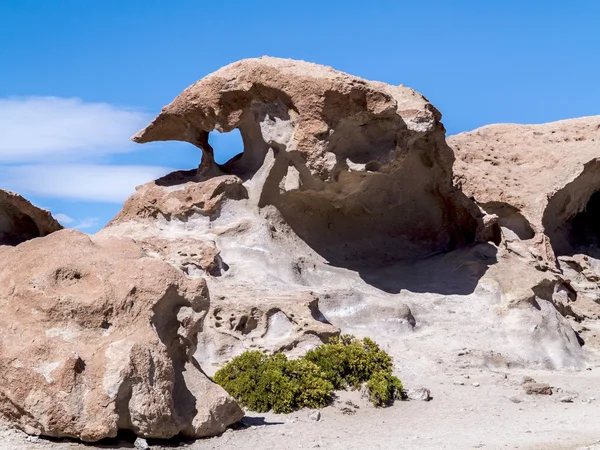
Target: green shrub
(346,361)
(262,383)
(384,388)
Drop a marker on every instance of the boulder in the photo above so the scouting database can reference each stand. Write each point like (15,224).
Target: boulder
(98,336)
(537,389)
(543,183)
(20,220)
(541,180)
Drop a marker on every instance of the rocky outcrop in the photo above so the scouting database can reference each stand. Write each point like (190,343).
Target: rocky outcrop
(170,197)
(543,181)
(20,220)
(339,216)
(100,337)
(246,312)
(347,155)
(539,179)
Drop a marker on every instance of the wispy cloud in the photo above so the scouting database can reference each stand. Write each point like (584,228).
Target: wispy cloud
(88,182)
(63,219)
(89,222)
(66,129)
(80,224)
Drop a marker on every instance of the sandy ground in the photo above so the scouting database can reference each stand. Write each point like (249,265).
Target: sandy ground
(486,410)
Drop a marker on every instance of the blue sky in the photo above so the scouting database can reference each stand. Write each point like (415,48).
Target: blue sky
(77,77)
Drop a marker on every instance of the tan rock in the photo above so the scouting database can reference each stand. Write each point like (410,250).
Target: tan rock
(347,155)
(175,196)
(537,389)
(536,178)
(20,220)
(97,336)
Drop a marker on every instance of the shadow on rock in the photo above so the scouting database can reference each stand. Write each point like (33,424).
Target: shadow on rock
(453,273)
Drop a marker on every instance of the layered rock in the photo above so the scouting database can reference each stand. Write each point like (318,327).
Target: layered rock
(20,220)
(99,337)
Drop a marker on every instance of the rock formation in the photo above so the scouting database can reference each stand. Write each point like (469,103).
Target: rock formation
(21,221)
(543,182)
(539,179)
(347,153)
(340,215)
(99,338)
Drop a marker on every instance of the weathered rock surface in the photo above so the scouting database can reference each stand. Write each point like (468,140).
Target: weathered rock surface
(539,179)
(340,215)
(96,336)
(343,213)
(348,155)
(20,220)
(543,181)
(170,197)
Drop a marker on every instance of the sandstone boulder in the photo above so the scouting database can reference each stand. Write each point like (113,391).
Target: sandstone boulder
(541,180)
(97,336)
(20,220)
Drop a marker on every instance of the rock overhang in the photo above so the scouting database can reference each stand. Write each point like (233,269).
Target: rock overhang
(350,154)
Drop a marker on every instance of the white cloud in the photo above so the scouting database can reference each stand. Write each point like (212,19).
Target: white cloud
(63,219)
(89,222)
(33,129)
(88,182)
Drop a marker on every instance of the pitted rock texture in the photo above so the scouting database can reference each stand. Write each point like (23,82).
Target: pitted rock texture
(250,318)
(349,155)
(20,220)
(179,195)
(246,312)
(97,336)
(348,220)
(538,179)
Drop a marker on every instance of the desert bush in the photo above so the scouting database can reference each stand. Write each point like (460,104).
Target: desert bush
(384,388)
(347,361)
(262,382)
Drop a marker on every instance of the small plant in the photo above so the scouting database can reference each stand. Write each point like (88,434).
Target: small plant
(384,388)
(262,383)
(346,361)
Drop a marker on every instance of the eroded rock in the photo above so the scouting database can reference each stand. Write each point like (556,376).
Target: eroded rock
(99,337)
(349,155)
(538,179)
(537,388)
(249,318)
(20,220)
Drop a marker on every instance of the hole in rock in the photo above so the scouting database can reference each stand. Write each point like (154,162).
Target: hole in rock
(16,227)
(511,218)
(583,230)
(226,145)
(572,217)
(247,323)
